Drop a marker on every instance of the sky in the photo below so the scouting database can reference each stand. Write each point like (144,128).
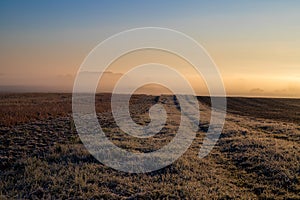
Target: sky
(255,44)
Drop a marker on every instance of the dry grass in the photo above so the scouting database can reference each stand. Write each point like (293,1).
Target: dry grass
(18,109)
(41,155)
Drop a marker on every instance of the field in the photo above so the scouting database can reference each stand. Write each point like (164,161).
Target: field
(256,157)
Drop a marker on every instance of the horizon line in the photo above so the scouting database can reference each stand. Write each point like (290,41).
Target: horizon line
(97,93)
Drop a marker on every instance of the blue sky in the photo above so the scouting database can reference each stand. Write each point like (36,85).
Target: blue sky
(34,14)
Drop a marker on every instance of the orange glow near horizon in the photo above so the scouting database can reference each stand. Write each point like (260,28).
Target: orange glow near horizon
(254,81)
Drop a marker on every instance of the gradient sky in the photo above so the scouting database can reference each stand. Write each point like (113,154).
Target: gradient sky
(255,44)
